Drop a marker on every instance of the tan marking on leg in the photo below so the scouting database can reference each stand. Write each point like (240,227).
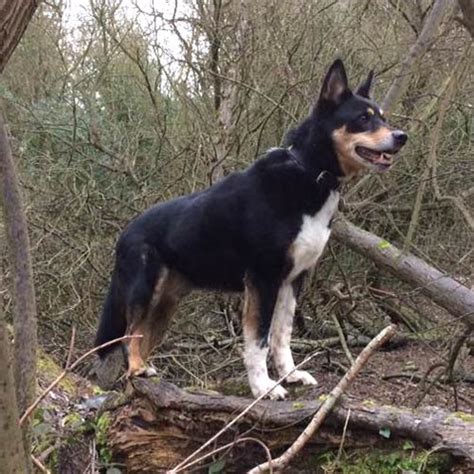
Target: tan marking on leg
(169,289)
(158,290)
(173,288)
(251,308)
(136,364)
(255,356)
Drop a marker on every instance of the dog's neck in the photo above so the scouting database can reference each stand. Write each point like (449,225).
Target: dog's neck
(313,149)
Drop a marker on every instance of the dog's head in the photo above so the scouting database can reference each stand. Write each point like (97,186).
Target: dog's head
(360,135)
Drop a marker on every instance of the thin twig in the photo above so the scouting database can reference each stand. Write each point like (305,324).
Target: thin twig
(342,338)
(184,464)
(40,465)
(71,347)
(230,445)
(282,461)
(58,379)
(344,430)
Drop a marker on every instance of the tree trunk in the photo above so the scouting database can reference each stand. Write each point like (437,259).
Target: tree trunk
(164,424)
(24,321)
(14,18)
(467,18)
(226,77)
(443,290)
(439,12)
(12,453)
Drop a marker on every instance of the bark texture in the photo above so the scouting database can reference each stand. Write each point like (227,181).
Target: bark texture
(12,453)
(457,299)
(439,11)
(467,18)
(163,424)
(14,18)
(24,321)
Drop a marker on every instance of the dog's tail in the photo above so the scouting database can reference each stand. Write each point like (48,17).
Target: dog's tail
(130,292)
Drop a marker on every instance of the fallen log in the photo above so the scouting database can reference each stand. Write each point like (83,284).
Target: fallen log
(163,424)
(448,293)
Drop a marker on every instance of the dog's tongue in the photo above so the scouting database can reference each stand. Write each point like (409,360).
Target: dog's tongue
(369,154)
(375,157)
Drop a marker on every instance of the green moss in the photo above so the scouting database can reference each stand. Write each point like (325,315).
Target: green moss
(73,420)
(298,405)
(383,244)
(97,390)
(233,387)
(461,415)
(102,426)
(378,461)
(49,370)
(369,403)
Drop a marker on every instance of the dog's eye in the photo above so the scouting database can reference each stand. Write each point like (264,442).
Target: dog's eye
(364,118)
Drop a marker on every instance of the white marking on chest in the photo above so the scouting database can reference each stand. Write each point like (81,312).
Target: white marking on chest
(313,236)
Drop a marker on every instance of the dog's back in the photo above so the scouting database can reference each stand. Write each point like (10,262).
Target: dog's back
(258,230)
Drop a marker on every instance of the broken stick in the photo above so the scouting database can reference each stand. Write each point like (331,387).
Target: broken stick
(327,406)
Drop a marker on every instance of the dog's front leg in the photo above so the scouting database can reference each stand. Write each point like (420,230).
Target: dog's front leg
(282,326)
(260,298)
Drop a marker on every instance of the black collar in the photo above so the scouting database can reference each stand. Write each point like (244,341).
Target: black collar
(324,177)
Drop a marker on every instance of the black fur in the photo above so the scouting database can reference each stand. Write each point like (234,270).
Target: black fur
(241,226)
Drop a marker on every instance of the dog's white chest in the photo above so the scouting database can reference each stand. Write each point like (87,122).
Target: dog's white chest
(313,236)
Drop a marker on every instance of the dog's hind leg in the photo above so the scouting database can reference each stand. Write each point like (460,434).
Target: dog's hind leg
(168,292)
(282,326)
(141,272)
(260,297)
(139,347)
(169,288)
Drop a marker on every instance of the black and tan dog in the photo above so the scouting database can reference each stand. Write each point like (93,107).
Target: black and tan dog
(257,231)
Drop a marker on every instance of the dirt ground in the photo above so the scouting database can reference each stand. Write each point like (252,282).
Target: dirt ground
(411,374)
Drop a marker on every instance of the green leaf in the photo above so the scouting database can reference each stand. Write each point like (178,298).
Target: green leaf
(383,244)
(216,467)
(385,432)
(42,429)
(298,405)
(408,446)
(113,470)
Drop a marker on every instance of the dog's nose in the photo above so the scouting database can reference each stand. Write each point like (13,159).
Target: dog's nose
(400,137)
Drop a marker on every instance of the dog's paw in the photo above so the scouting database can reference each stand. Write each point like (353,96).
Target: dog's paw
(301,376)
(143,371)
(277,392)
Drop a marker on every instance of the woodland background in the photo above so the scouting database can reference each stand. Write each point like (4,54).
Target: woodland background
(137,102)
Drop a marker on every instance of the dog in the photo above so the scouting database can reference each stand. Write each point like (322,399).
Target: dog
(257,231)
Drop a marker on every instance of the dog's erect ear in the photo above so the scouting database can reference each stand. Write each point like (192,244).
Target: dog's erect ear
(335,86)
(364,89)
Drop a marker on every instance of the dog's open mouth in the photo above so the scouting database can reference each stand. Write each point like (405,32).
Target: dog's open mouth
(383,159)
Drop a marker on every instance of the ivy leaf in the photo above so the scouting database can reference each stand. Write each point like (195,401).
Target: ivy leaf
(216,467)
(385,432)
(408,446)
(113,470)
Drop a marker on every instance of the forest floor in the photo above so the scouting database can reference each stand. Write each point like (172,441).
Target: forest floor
(411,373)
(208,356)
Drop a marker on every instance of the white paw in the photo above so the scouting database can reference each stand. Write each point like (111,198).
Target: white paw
(277,393)
(143,371)
(150,372)
(301,376)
